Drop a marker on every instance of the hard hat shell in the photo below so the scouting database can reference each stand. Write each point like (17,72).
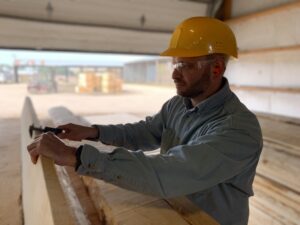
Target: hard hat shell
(199,36)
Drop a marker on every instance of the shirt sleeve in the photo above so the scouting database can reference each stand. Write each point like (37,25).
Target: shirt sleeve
(144,135)
(184,169)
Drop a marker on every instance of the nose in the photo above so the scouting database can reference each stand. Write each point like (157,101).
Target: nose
(176,74)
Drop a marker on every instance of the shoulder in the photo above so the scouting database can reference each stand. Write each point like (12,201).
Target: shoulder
(240,118)
(173,103)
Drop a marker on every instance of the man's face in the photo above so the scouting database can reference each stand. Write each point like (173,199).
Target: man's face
(191,75)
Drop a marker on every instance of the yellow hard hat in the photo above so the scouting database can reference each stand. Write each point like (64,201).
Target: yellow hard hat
(199,36)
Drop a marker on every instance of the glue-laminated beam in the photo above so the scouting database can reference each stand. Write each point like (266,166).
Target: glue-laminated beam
(42,197)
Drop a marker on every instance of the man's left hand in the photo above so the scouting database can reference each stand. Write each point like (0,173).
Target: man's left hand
(51,146)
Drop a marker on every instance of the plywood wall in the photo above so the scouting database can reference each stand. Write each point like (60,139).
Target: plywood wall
(269,55)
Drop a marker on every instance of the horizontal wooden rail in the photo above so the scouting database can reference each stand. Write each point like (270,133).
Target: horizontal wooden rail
(266,89)
(270,50)
(263,13)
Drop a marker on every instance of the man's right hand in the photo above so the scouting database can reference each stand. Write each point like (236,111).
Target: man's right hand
(76,132)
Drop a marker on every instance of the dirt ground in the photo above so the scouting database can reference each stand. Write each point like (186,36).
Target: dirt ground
(140,100)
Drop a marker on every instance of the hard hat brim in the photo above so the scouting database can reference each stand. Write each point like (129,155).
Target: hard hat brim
(191,53)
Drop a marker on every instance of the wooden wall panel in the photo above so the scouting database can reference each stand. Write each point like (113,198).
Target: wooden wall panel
(159,15)
(269,102)
(50,36)
(267,30)
(242,7)
(273,69)
(268,58)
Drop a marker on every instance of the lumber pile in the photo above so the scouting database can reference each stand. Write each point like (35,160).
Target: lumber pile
(105,82)
(276,185)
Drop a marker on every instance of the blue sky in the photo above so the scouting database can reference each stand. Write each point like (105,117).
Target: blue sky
(69,58)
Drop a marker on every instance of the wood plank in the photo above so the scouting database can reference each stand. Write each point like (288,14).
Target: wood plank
(271,28)
(270,50)
(159,15)
(190,211)
(282,133)
(51,36)
(265,89)
(264,13)
(42,196)
(78,198)
(276,202)
(279,118)
(121,206)
(279,165)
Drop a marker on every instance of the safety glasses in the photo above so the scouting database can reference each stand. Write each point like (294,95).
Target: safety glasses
(190,66)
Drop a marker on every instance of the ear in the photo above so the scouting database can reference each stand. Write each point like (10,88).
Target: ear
(218,69)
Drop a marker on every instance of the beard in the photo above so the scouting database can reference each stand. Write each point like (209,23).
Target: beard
(195,89)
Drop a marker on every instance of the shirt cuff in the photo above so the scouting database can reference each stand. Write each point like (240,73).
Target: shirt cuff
(92,160)
(106,134)
(97,137)
(78,154)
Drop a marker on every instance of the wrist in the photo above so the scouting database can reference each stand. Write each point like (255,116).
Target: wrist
(94,132)
(70,157)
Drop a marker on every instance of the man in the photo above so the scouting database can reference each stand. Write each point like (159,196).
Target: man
(210,142)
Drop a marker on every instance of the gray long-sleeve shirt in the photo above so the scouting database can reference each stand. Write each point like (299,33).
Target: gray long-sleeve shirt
(209,153)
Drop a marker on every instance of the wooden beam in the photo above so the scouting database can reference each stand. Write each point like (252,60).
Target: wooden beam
(279,164)
(224,13)
(191,213)
(64,37)
(277,204)
(43,199)
(266,89)
(270,50)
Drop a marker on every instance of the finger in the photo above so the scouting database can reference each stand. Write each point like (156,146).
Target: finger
(34,156)
(31,146)
(38,136)
(65,126)
(49,134)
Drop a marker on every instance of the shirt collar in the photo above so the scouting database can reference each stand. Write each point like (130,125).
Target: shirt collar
(213,101)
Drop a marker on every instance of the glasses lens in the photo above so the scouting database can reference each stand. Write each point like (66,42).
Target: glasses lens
(189,66)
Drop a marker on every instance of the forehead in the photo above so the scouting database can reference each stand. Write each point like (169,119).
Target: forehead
(188,59)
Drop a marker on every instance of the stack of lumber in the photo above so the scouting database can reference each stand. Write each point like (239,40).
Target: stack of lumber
(105,82)
(276,185)
(111,83)
(87,83)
